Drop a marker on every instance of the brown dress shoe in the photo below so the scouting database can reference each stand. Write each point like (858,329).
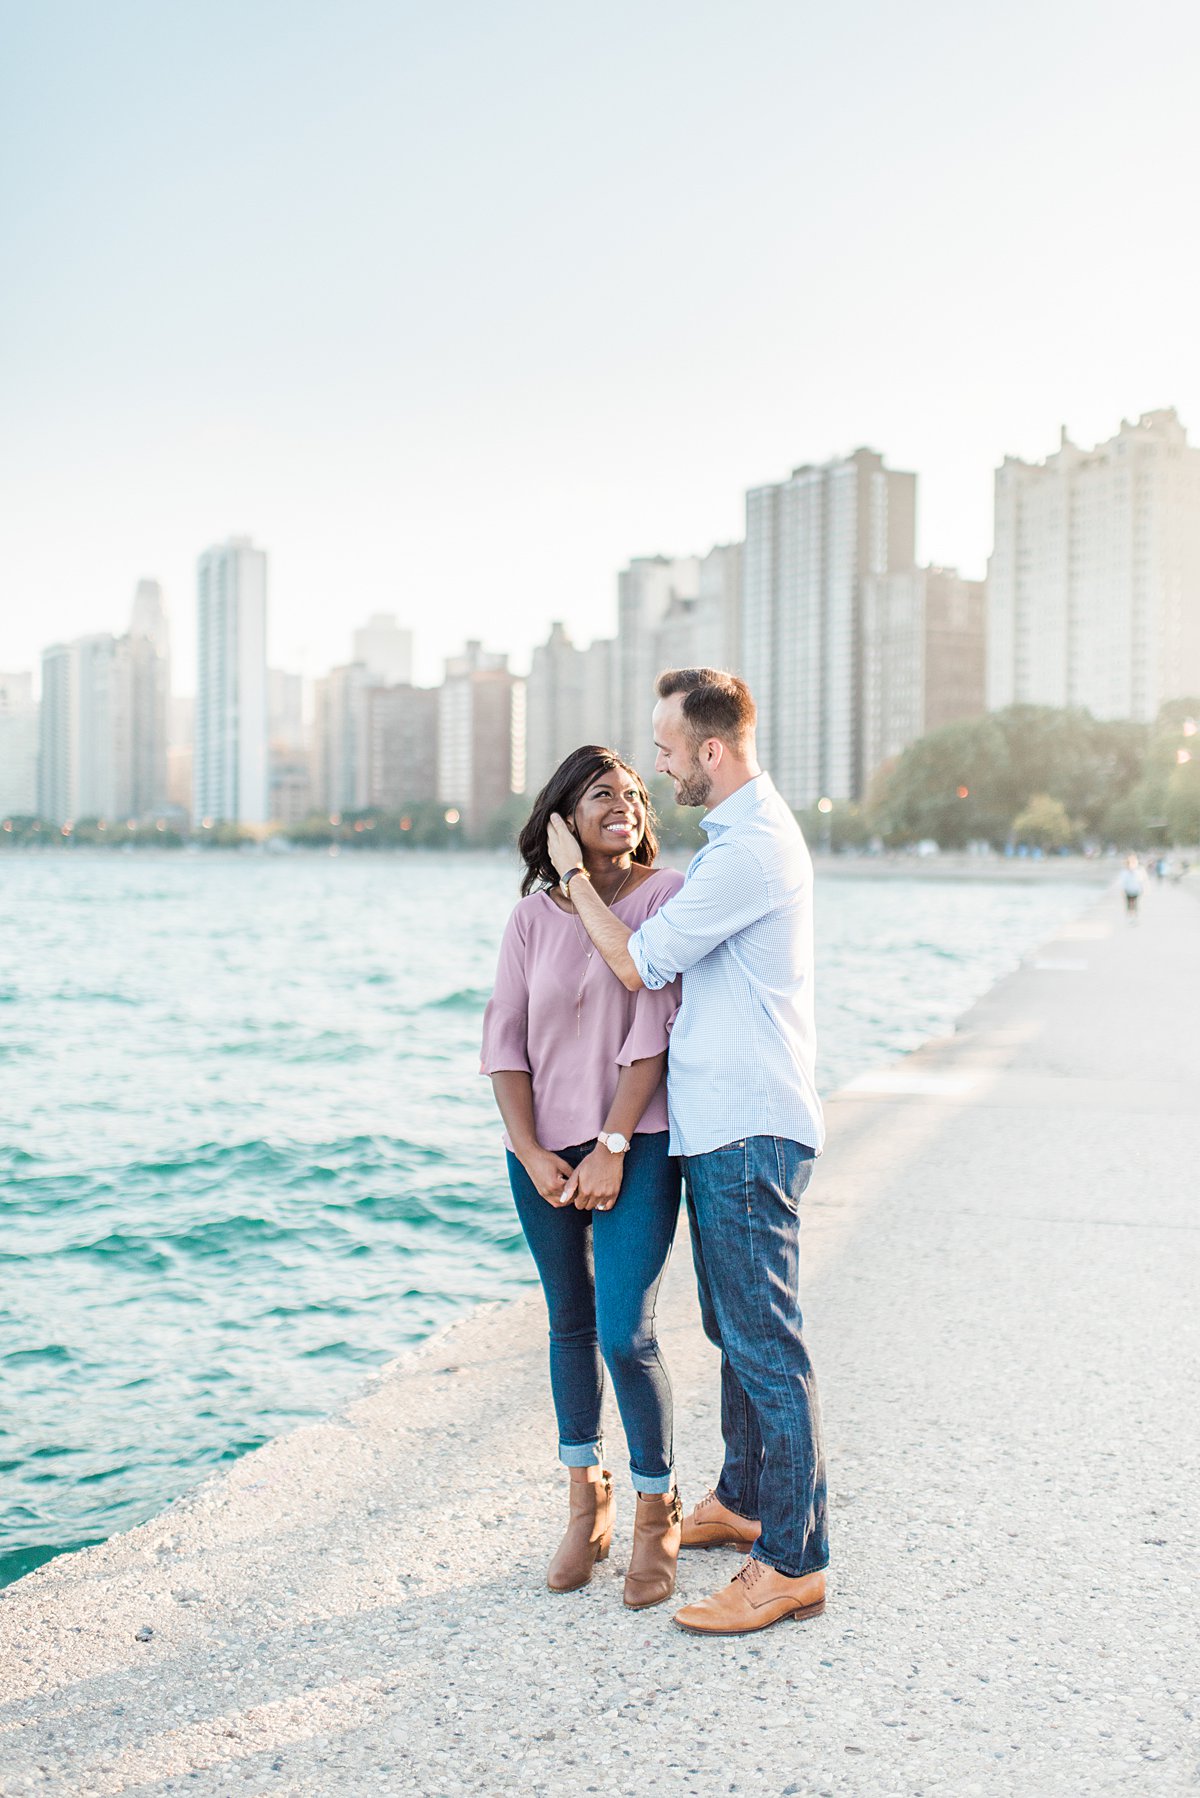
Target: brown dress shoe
(754,1598)
(656,1529)
(714,1525)
(589,1534)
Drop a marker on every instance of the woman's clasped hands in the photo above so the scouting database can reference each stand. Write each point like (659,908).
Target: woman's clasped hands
(594,1185)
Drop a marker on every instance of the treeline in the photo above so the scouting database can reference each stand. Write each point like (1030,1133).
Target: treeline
(1033,776)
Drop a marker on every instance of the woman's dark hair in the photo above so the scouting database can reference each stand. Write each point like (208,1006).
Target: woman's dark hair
(561,794)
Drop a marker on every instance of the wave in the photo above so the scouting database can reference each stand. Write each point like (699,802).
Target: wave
(467,998)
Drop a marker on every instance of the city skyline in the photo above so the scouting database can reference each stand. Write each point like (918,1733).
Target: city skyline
(852,647)
(425,666)
(476,312)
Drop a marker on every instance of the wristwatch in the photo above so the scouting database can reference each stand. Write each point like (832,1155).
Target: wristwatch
(614,1142)
(569,875)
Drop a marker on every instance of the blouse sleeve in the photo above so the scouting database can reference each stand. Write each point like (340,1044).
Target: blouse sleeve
(653,1015)
(655,1009)
(506,1020)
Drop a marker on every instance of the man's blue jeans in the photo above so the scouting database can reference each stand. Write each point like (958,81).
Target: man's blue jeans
(744,1209)
(600,1272)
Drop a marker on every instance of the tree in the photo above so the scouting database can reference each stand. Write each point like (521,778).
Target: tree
(844,826)
(971,779)
(1183,802)
(1043,824)
(678,826)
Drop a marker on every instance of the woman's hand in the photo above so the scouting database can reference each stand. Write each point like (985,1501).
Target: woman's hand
(549,1173)
(596,1183)
(563,848)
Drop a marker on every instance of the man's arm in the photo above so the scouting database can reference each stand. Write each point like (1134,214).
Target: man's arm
(606,930)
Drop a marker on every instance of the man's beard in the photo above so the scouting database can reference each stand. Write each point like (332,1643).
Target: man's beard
(695,789)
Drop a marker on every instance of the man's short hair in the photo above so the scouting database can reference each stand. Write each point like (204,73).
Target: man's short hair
(715,704)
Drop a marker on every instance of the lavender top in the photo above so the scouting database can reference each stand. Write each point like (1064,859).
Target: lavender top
(531,1023)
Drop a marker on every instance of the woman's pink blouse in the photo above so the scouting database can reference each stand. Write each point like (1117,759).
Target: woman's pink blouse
(531,1024)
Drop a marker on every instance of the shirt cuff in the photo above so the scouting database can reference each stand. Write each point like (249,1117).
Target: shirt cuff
(652,977)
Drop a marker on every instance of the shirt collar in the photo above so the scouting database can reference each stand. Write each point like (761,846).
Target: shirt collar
(739,805)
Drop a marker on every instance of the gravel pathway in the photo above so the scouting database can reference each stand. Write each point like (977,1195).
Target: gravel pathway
(1001,1280)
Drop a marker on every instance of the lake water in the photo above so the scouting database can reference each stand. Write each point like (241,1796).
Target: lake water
(245,1153)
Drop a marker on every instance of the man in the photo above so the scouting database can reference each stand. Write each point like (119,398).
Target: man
(746,1119)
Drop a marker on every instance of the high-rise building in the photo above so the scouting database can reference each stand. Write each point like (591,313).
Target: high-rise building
(181,728)
(646,591)
(18,746)
(402,744)
(570,701)
(146,653)
(285,709)
(598,721)
(1094,580)
(341,753)
(230,765)
(104,720)
(923,657)
(703,630)
(481,736)
(554,703)
(84,731)
(291,786)
(56,737)
(811,541)
(385,649)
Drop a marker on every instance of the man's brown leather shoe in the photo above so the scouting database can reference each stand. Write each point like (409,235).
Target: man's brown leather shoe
(754,1598)
(714,1525)
(651,1576)
(588,1537)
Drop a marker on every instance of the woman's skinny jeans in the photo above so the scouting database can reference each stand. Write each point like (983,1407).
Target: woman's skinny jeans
(600,1272)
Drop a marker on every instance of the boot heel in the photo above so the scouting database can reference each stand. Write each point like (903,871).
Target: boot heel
(603,1547)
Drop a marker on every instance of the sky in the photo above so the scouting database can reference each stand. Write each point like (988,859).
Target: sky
(455,309)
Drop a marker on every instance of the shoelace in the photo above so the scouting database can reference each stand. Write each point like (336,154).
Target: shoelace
(749,1573)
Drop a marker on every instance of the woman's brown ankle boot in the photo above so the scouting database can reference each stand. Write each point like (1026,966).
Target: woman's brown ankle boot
(589,1534)
(656,1532)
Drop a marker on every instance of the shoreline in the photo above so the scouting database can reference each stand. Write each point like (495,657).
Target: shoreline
(363,1582)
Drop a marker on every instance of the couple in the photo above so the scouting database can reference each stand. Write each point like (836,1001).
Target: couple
(605,959)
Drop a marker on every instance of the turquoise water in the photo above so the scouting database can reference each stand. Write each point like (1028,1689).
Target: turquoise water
(245,1154)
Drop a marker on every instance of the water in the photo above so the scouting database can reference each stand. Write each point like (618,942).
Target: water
(245,1154)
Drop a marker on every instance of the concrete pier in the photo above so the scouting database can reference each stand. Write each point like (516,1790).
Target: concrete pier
(1001,1286)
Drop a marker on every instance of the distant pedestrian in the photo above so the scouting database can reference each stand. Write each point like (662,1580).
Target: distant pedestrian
(1133,885)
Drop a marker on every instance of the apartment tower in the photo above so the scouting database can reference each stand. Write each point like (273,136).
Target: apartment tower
(1094,580)
(811,542)
(230,770)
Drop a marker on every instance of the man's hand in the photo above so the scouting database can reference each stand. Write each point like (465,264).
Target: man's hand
(596,1183)
(564,850)
(550,1174)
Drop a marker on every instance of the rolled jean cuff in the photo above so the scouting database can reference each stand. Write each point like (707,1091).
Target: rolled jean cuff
(652,1482)
(756,1555)
(582,1454)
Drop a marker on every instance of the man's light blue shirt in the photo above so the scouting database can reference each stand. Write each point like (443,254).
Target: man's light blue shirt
(739,930)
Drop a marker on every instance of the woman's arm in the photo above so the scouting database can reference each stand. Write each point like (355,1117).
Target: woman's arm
(514,1100)
(596,1182)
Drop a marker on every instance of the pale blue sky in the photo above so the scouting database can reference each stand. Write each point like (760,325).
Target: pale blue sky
(456,308)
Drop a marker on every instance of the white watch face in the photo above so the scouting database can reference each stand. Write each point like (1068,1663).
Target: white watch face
(615,1143)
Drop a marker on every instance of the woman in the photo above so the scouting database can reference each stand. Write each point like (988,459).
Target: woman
(578,1068)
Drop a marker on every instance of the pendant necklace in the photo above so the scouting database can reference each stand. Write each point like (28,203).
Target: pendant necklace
(589,949)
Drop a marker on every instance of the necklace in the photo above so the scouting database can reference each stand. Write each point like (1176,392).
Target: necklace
(589,949)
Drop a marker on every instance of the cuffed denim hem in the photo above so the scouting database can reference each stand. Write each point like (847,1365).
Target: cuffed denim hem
(582,1454)
(652,1482)
(787,1571)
